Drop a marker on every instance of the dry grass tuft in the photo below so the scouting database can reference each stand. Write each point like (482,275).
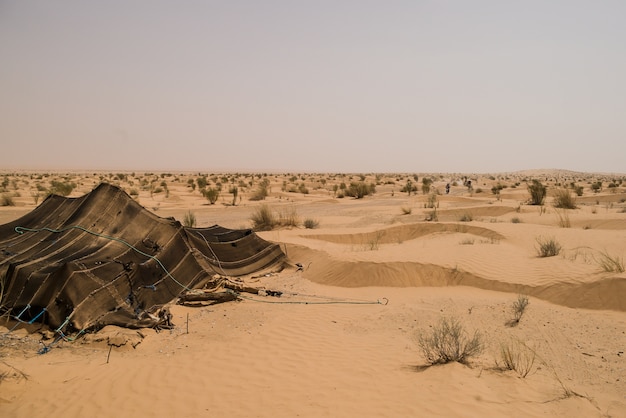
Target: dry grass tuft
(448,342)
(548,247)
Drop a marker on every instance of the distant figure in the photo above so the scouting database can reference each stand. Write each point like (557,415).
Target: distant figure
(448,188)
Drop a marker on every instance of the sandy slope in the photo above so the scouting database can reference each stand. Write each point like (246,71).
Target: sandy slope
(342,340)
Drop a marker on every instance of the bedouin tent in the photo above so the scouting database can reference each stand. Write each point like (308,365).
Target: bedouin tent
(81,263)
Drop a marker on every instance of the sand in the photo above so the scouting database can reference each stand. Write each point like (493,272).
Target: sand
(342,340)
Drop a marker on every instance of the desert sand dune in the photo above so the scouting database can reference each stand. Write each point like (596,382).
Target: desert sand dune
(343,339)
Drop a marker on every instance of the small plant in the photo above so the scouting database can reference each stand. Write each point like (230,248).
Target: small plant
(609,263)
(432,216)
(211,194)
(563,216)
(516,220)
(311,223)
(189,220)
(234,190)
(448,342)
(289,217)
(467,241)
(432,201)
(406,210)
(263,219)
(517,356)
(548,247)
(563,199)
(360,189)
(61,188)
(466,217)
(374,242)
(518,309)
(36,195)
(537,192)
(7,200)
(426,183)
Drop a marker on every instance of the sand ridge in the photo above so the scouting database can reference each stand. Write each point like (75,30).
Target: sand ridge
(342,340)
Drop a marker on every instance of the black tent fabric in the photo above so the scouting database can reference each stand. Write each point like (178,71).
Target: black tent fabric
(103,259)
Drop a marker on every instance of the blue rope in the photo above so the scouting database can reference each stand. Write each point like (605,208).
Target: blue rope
(23,310)
(38,315)
(20,230)
(67,319)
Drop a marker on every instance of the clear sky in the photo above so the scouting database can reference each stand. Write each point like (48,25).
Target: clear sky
(324,86)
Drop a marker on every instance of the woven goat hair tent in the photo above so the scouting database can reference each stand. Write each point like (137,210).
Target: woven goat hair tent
(103,259)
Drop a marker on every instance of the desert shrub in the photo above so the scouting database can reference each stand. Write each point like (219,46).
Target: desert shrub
(517,356)
(467,241)
(289,217)
(189,220)
(448,342)
(303,189)
(564,221)
(134,193)
(563,199)
(432,201)
(596,186)
(537,192)
(373,242)
(360,189)
(609,263)
(577,189)
(426,183)
(406,210)
(7,200)
(432,216)
(496,189)
(466,217)
(548,247)
(61,188)
(518,308)
(311,223)
(234,190)
(263,219)
(36,196)
(211,194)
(260,193)
(409,187)
(516,220)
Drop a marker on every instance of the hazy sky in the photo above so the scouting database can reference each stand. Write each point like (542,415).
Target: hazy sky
(326,86)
